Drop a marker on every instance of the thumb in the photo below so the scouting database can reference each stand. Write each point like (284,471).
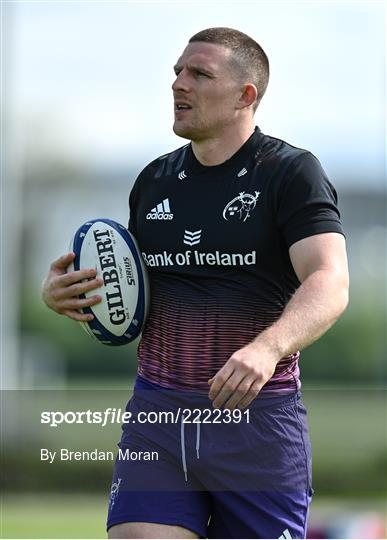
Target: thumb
(60,265)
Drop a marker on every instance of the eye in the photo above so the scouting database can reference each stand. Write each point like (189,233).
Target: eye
(200,73)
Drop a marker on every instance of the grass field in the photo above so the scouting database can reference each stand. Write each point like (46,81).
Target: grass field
(67,516)
(53,516)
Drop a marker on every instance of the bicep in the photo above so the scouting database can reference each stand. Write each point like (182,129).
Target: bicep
(325,251)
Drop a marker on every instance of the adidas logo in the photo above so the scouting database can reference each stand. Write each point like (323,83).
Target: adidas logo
(285,535)
(181,175)
(191,238)
(242,172)
(161,211)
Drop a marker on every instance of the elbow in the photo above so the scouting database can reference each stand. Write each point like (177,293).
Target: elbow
(345,300)
(343,296)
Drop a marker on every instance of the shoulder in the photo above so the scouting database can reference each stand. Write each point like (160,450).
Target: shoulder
(284,164)
(162,166)
(280,153)
(165,165)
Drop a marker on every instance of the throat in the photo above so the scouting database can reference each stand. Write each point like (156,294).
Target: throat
(215,151)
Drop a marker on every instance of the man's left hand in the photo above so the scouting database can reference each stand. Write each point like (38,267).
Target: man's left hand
(240,380)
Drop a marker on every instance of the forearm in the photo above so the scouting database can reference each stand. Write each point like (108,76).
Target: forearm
(320,264)
(316,305)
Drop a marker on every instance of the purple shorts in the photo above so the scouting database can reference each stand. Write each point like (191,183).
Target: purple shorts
(220,474)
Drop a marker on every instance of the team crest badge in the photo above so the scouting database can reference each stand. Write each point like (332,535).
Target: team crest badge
(240,208)
(114,492)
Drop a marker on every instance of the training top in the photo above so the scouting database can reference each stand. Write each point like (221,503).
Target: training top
(216,241)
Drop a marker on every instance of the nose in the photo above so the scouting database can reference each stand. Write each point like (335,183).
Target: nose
(181,82)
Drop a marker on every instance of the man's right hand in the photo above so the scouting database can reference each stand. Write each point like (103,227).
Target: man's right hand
(61,289)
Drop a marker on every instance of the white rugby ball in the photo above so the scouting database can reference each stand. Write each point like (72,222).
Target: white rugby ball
(110,248)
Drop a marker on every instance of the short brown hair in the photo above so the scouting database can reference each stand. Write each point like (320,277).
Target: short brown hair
(247,55)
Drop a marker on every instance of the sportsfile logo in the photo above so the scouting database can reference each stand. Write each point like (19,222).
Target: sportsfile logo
(200,258)
(161,211)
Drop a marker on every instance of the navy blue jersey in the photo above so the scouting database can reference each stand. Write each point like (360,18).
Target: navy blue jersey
(216,243)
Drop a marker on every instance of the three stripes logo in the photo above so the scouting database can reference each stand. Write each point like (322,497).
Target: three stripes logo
(242,172)
(285,535)
(191,238)
(181,175)
(161,211)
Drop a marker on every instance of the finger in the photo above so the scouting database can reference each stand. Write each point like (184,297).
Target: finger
(251,395)
(219,379)
(63,262)
(77,316)
(77,289)
(239,393)
(79,303)
(227,389)
(75,277)
(89,285)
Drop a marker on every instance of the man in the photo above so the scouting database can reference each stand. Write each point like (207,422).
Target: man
(247,266)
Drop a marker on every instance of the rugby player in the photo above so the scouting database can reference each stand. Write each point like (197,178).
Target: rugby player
(247,265)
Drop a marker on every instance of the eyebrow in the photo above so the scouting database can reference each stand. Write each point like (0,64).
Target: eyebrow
(194,67)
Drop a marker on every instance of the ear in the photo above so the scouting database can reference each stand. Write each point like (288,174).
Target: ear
(248,96)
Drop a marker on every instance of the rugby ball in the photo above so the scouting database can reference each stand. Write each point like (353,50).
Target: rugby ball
(110,248)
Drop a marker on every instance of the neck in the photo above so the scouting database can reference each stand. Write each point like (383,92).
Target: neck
(217,150)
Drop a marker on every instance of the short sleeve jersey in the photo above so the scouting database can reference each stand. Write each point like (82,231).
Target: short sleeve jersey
(216,241)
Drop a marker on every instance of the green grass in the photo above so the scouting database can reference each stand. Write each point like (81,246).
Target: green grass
(53,516)
(68,516)
(348,425)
